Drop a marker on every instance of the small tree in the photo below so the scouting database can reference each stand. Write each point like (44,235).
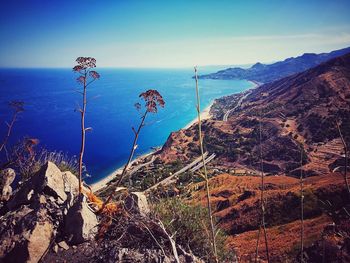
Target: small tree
(152,99)
(86,77)
(23,157)
(17,107)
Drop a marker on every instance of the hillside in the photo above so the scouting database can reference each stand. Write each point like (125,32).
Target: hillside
(296,112)
(297,116)
(236,202)
(270,72)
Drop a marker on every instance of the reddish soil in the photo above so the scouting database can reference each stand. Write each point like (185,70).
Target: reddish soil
(236,201)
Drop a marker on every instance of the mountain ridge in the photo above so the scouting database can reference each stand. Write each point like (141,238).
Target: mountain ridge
(298,116)
(266,73)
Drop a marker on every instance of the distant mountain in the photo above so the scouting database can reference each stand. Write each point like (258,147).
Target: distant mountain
(270,72)
(299,109)
(286,127)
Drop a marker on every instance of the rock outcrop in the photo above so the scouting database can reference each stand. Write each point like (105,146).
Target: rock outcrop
(81,222)
(47,220)
(136,202)
(36,214)
(25,234)
(7,177)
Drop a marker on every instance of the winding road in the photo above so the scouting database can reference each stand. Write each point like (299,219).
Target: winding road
(134,170)
(195,165)
(239,103)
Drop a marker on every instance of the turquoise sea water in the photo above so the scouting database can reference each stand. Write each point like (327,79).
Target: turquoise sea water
(50,98)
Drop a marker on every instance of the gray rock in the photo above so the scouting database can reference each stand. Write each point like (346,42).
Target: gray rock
(7,177)
(36,214)
(71,187)
(55,248)
(136,202)
(81,222)
(63,245)
(50,177)
(61,188)
(25,235)
(148,255)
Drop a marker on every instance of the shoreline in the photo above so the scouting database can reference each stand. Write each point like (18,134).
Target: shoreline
(104,182)
(205,115)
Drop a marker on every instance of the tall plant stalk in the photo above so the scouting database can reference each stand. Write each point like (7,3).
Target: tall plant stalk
(262,200)
(83,134)
(346,158)
(87,76)
(131,155)
(212,228)
(152,99)
(18,108)
(301,207)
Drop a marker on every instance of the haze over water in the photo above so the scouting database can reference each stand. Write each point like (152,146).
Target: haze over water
(50,103)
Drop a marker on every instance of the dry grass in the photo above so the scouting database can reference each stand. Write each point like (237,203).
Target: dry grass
(283,239)
(240,216)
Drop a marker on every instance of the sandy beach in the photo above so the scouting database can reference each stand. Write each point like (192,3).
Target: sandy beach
(205,114)
(103,182)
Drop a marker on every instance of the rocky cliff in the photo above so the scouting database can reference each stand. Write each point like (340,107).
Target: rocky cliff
(46,220)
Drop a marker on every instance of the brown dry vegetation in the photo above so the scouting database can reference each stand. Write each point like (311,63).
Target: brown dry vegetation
(300,111)
(297,110)
(236,200)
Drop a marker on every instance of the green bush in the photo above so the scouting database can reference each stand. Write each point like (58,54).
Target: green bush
(191,227)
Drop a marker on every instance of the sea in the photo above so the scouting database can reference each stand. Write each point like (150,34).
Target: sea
(52,97)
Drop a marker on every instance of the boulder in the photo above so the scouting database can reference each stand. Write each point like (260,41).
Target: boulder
(25,235)
(63,245)
(47,205)
(71,187)
(7,177)
(136,202)
(81,222)
(49,181)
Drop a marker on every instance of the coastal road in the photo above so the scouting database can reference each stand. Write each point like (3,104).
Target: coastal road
(134,170)
(239,103)
(195,165)
(99,185)
(200,165)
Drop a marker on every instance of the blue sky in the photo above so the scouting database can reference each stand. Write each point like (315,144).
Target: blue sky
(168,33)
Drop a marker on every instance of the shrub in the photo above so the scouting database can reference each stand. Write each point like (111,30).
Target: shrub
(26,160)
(191,227)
